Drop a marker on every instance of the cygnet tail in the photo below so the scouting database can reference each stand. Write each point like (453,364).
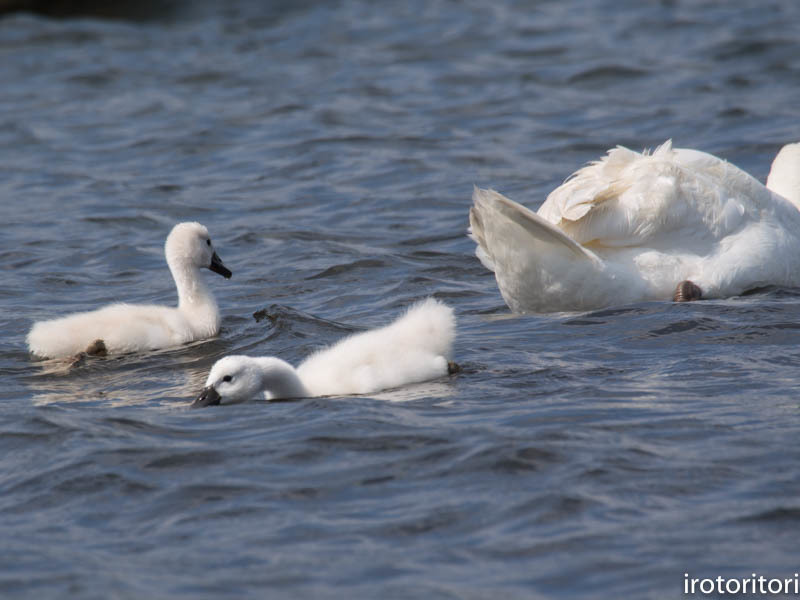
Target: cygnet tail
(416,347)
(58,338)
(429,326)
(537,266)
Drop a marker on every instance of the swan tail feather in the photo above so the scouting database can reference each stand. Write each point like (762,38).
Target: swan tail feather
(537,266)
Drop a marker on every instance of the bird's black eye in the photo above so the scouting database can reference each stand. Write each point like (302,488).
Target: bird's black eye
(227,378)
(208,242)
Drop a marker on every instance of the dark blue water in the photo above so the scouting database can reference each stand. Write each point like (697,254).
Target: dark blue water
(331,149)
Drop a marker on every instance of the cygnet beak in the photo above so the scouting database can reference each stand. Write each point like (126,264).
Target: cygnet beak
(217,266)
(208,397)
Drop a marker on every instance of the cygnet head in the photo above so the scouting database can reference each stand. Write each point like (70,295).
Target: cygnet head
(190,244)
(232,379)
(239,378)
(784,176)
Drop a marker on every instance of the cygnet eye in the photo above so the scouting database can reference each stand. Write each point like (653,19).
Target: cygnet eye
(208,242)
(227,378)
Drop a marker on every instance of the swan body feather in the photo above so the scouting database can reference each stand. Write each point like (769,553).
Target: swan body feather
(631,226)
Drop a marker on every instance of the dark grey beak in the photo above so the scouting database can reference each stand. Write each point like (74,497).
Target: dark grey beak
(208,397)
(217,266)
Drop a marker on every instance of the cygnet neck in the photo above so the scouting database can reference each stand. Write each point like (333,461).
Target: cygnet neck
(279,379)
(195,300)
(192,289)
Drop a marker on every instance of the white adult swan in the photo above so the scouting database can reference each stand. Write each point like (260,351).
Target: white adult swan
(120,328)
(413,348)
(675,224)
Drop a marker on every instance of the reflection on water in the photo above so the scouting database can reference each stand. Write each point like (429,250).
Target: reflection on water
(126,380)
(63,384)
(438,391)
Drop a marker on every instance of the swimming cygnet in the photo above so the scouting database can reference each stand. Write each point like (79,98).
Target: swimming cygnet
(121,328)
(413,348)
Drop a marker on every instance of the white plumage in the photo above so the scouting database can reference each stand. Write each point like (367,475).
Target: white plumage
(413,348)
(130,328)
(632,226)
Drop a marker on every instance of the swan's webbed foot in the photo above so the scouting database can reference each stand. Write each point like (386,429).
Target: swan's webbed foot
(687,292)
(77,360)
(452,367)
(97,348)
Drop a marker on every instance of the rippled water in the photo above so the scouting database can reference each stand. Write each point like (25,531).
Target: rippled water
(331,149)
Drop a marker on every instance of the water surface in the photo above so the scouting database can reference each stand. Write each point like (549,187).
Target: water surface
(331,149)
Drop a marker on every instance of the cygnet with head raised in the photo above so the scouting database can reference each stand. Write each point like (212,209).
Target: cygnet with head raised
(122,328)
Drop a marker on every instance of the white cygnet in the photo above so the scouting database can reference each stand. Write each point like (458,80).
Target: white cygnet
(122,328)
(415,347)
